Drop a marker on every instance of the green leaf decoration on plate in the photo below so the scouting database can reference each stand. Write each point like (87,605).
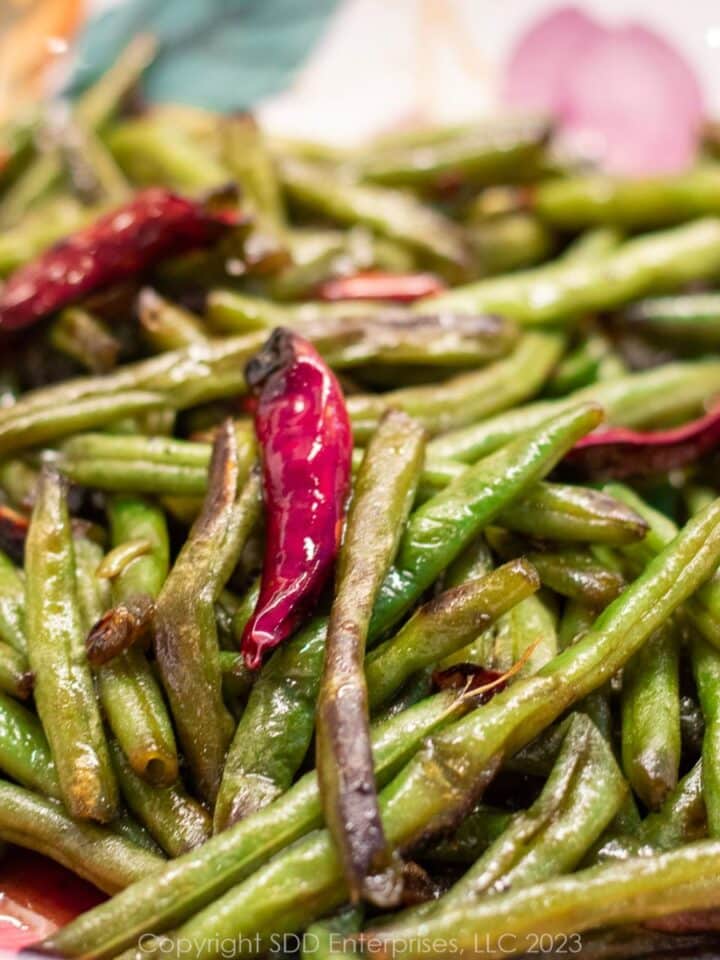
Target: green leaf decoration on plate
(218,54)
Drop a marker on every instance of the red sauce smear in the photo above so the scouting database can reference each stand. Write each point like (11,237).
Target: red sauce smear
(305,439)
(619,452)
(376,285)
(37,896)
(122,244)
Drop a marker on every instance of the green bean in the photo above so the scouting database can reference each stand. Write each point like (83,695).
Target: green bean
(706,668)
(651,718)
(12,605)
(682,818)
(176,379)
(93,593)
(176,821)
(638,890)
(592,361)
(443,526)
(17,140)
(394,338)
(547,294)
(64,691)
(164,450)
(185,628)
(509,242)
(572,572)
(99,102)
(581,796)
(575,203)
(575,622)
(94,108)
(247,158)
(132,521)
(383,495)
(18,480)
(44,225)
(468,396)
(127,827)
(85,338)
(475,561)
(628,941)
(526,633)
(326,940)
(25,756)
(275,729)
(320,255)
(129,693)
(671,392)
(94,853)
(132,518)
(93,174)
(444,625)
(203,874)
(229,311)
(244,611)
(455,764)
(483,489)
(24,751)
(697,497)
(391,213)
(686,319)
(564,512)
(177,467)
(592,244)
(704,608)
(137,716)
(476,833)
(237,682)
(15,676)
(83,414)
(498,153)
(166,326)
(150,152)
(117,560)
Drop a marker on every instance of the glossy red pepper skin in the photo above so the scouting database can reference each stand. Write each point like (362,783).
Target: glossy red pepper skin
(618,452)
(374,285)
(122,244)
(305,438)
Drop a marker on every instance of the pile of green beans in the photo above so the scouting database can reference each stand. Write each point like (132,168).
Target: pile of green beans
(495,620)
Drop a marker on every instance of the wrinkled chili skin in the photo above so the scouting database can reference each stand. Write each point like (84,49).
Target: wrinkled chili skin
(618,452)
(305,438)
(120,245)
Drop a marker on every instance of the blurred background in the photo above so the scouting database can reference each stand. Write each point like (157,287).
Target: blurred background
(337,69)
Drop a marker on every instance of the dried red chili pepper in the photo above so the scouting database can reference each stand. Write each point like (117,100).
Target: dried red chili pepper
(155,225)
(304,434)
(618,452)
(374,285)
